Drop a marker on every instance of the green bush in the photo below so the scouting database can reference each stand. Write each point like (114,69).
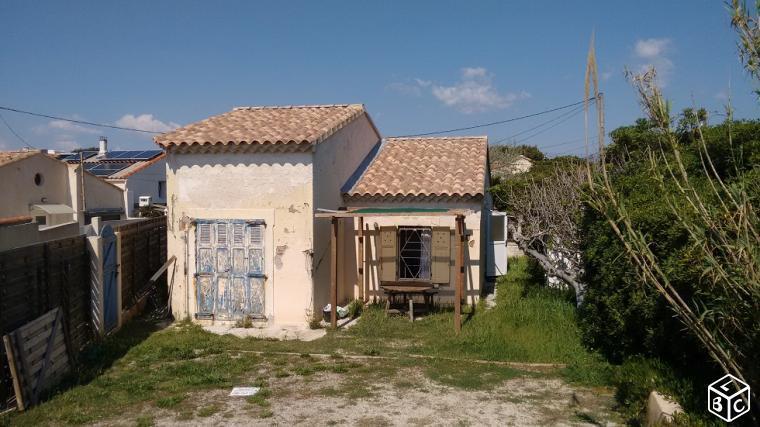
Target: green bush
(627,321)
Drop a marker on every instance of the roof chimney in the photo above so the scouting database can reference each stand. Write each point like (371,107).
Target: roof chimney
(102,146)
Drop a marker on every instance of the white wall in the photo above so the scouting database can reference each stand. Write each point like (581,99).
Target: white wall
(145,183)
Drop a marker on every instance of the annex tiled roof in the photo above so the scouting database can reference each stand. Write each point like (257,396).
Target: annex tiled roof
(306,124)
(12,156)
(448,166)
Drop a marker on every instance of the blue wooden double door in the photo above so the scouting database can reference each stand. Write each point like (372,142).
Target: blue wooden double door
(230,269)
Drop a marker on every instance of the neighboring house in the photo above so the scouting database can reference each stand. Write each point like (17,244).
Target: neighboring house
(55,195)
(140,173)
(244,186)
(509,164)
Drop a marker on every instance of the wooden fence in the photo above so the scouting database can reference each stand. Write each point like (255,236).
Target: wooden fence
(34,280)
(142,249)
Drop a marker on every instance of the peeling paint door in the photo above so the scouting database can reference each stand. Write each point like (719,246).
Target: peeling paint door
(230,269)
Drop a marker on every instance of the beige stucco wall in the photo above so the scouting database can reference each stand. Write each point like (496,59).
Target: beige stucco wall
(474,251)
(335,160)
(19,191)
(275,187)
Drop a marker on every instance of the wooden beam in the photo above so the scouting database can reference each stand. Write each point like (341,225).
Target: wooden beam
(11,354)
(459,264)
(162,269)
(334,273)
(350,214)
(360,261)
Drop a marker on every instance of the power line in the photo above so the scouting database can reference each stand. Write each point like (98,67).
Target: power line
(513,119)
(14,132)
(81,122)
(579,108)
(576,112)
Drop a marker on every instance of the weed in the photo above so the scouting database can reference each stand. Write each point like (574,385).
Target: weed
(245,322)
(169,401)
(260,398)
(144,421)
(208,411)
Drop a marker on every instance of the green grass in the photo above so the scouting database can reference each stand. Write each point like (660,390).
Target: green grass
(142,366)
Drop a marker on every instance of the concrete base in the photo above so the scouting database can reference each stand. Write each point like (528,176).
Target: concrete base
(282,332)
(661,409)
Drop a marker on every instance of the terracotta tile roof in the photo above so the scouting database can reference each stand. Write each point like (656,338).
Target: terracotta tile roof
(306,124)
(448,166)
(12,156)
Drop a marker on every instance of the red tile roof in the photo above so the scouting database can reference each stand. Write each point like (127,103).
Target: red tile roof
(306,124)
(443,166)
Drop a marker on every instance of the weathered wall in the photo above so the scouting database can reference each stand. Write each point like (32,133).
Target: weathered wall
(275,187)
(19,190)
(335,160)
(474,251)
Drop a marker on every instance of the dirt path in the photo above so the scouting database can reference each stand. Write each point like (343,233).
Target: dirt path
(407,398)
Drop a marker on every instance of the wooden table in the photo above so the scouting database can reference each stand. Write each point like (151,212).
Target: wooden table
(407,290)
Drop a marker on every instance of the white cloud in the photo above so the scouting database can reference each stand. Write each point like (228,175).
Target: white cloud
(721,95)
(71,127)
(653,53)
(145,122)
(606,75)
(651,48)
(423,83)
(475,93)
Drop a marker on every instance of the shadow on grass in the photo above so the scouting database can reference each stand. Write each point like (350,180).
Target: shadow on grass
(101,355)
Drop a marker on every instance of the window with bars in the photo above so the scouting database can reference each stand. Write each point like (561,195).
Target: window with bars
(414,253)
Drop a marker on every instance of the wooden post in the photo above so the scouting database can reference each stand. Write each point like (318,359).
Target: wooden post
(360,261)
(11,354)
(459,269)
(334,273)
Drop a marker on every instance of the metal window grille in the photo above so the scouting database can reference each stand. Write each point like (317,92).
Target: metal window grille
(414,253)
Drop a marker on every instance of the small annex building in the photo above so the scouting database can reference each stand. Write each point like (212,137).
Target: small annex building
(247,192)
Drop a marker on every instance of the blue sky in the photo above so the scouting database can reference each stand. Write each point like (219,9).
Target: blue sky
(417,66)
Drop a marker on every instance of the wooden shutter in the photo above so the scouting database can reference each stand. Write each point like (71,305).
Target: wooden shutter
(256,249)
(388,251)
(441,254)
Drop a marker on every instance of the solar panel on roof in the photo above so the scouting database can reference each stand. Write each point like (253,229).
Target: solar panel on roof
(106,169)
(72,157)
(133,155)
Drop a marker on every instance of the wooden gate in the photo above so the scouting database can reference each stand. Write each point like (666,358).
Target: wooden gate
(110,285)
(37,356)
